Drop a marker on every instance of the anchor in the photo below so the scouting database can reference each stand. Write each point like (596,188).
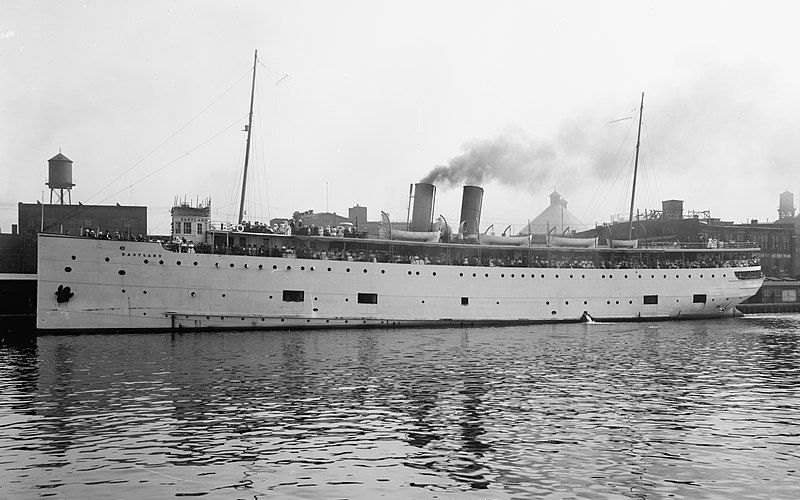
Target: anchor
(63,294)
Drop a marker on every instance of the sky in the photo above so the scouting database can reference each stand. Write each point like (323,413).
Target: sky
(356,100)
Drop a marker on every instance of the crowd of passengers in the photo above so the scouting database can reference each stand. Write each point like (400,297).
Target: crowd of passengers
(291,227)
(471,260)
(115,235)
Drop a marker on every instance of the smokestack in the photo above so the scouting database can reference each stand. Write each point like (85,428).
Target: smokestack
(424,197)
(471,203)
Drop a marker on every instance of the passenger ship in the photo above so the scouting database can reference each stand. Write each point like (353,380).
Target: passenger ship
(86,283)
(254,279)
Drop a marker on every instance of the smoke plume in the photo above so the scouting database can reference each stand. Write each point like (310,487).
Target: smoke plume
(515,159)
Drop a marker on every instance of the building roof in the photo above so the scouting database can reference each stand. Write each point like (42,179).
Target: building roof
(556,215)
(59,157)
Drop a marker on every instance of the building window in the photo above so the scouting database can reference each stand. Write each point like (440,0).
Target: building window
(187,228)
(367,298)
(464,301)
(651,299)
(699,298)
(177,228)
(293,296)
(199,228)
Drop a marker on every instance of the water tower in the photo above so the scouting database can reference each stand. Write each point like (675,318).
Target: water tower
(786,205)
(59,169)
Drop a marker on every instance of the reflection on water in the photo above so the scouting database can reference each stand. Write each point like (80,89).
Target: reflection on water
(694,409)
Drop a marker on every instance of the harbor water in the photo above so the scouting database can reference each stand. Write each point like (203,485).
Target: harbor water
(695,409)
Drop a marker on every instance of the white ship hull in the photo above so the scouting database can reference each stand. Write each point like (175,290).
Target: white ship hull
(120,285)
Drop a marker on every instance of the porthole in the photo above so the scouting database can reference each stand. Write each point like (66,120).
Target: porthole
(216,264)
(144,292)
(329,269)
(610,276)
(690,276)
(123,290)
(231,264)
(513,276)
(316,298)
(311,268)
(604,276)
(521,275)
(461,274)
(502,275)
(107,259)
(585,302)
(583,276)
(640,276)
(289,268)
(652,275)
(409,273)
(146,261)
(474,275)
(701,275)
(302,268)
(571,276)
(270,296)
(383,271)
(121,272)
(122,248)
(665,276)
(144,314)
(724,275)
(498,302)
(223,295)
(308,321)
(365,271)
(547,303)
(73,257)
(423,301)
(417,273)
(261,266)
(556,276)
(626,276)
(262,319)
(543,276)
(677,276)
(194,263)
(712,275)
(246,266)
(276,267)
(68,269)
(282,320)
(608,302)
(566,302)
(434,273)
(616,302)
(193,294)
(486,275)
(178,262)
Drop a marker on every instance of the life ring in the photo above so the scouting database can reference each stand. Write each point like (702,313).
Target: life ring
(239,228)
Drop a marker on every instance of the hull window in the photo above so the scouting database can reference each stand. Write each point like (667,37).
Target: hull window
(464,301)
(293,296)
(699,298)
(367,298)
(651,299)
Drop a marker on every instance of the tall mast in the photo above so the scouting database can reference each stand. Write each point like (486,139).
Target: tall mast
(249,131)
(635,169)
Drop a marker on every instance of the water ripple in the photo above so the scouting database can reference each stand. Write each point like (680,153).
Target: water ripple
(691,409)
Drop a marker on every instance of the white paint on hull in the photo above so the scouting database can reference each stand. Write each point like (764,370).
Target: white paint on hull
(134,285)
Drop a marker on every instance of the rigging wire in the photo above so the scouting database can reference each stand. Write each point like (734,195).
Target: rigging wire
(169,163)
(591,208)
(653,164)
(170,137)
